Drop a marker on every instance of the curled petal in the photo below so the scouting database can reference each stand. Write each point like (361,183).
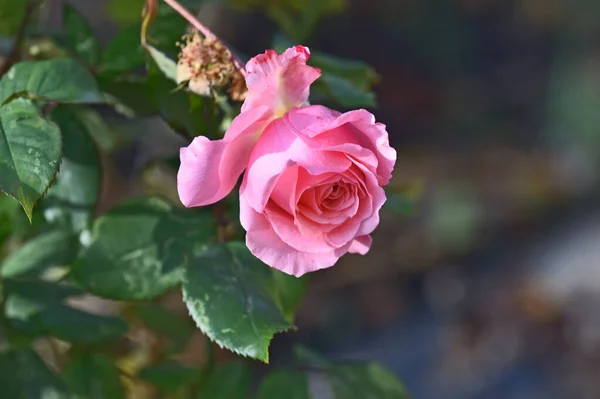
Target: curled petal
(210,169)
(355,133)
(361,245)
(279,81)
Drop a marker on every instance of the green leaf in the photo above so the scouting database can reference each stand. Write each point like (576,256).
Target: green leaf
(25,298)
(11,14)
(93,376)
(344,91)
(230,294)
(56,248)
(289,290)
(8,208)
(364,381)
(170,376)
(62,80)
(359,73)
(30,150)
(346,380)
(72,198)
(308,356)
(125,12)
(138,249)
(35,307)
(73,325)
(128,95)
(346,82)
(123,53)
(354,380)
(23,375)
(229,381)
(108,140)
(187,113)
(283,383)
(15,227)
(80,35)
(164,63)
(167,324)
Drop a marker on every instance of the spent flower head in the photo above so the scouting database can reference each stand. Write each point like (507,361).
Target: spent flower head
(206,64)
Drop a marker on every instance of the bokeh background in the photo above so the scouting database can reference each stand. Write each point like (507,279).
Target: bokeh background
(488,285)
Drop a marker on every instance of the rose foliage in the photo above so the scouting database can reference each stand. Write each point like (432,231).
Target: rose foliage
(118,262)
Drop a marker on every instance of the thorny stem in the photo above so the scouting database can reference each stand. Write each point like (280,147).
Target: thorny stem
(181,10)
(13,56)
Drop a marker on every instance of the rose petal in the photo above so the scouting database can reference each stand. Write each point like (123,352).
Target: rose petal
(378,198)
(277,150)
(280,82)
(361,245)
(210,169)
(262,241)
(283,225)
(284,193)
(353,133)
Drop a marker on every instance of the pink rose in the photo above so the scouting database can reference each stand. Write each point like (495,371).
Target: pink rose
(312,190)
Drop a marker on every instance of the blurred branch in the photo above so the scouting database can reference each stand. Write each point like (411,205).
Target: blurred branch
(13,56)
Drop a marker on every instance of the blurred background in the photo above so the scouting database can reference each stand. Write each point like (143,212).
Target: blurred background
(488,285)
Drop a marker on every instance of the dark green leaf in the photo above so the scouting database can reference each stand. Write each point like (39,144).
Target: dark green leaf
(56,248)
(187,113)
(346,380)
(364,381)
(11,14)
(307,356)
(229,381)
(8,208)
(76,326)
(138,249)
(61,79)
(72,198)
(23,375)
(80,35)
(354,380)
(230,294)
(125,12)
(30,150)
(170,376)
(24,298)
(167,66)
(283,383)
(290,291)
(167,29)
(93,376)
(359,73)
(344,92)
(15,227)
(167,324)
(128,95)
(35,307)
(98,128)
(123,53)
